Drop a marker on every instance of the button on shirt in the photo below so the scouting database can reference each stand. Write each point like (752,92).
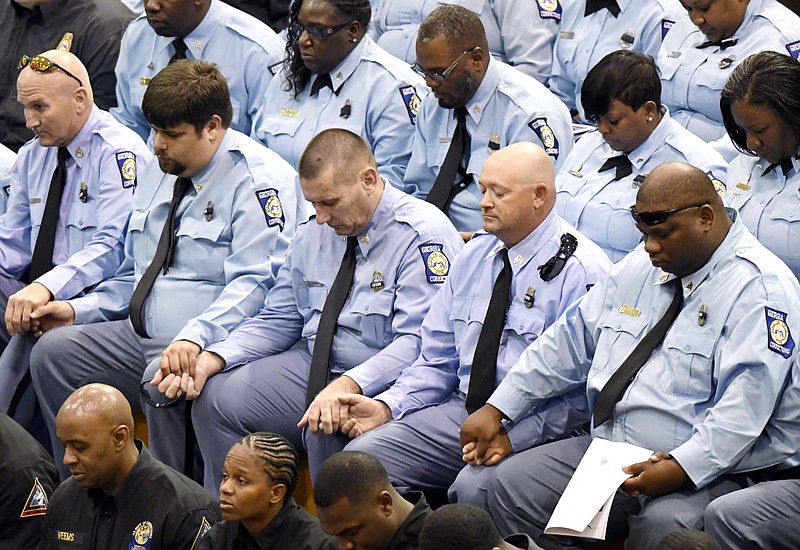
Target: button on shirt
(598,205)
(378,328)
(583,41)
(705,395)
(246,51)
(370,97)
(7,160)
(454,322)
(692,79)
(222,266)
(519,33)
(507,107)
(89,235)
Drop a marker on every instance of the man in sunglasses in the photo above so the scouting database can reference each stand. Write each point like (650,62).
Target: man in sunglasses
(683,349)
(454,374)
(70,195)
(478,105)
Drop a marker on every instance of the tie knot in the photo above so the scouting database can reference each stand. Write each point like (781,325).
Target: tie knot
(505,258)
(63,155)
(352,242)
(180,49)
(461,114)
(593,6)
(322,81)
(181,186)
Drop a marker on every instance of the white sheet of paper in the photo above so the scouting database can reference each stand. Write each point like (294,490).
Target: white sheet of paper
(583,509)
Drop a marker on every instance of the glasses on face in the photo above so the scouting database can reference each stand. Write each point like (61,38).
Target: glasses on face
(660,216)
(144,394)
(41,64)
(440,76)
(317,33)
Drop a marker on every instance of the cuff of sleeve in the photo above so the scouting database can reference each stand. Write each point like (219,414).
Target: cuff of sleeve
(697,462)
(229,351)
(190,333)
(510,402)
(525,434)
(85,311)
(370,382)
(393,397)
(55,283)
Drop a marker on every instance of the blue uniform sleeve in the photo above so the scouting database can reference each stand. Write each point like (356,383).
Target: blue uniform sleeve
(528,33)
(15,230)
(128,111)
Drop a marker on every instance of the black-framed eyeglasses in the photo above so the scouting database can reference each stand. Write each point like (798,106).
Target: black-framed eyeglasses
(144,394)
(41,64)
(441,76)
(317,33)
(660,216)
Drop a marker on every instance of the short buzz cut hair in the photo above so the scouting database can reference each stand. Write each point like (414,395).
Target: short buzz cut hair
(334,147)
(459,527)
(629,77)
(460,27)
(187,92)
(353,475)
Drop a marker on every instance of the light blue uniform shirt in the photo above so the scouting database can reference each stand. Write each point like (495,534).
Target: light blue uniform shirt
(401,260)
(583,41)
(222,266)
(376,98)
(520,33)
(769,205)
(508,107)
(102,169)
(243,48)
(599,206)
(692,79)
(7,160)
(453,325)
(706,394)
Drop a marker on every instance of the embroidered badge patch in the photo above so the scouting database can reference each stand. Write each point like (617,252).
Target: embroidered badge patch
(272,207)
(437,266)
(779,338)
(545,133)
(793,48)
(204,528)
(719,185)
(550,9)
(65,44)
(275,68)
(127,169)
(411,101)
(36,505)
(666,25)
(142,536)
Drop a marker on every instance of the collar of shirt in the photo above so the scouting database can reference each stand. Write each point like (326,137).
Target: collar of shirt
(203,176)
(84,138)
(349,64)
(123,493)
(272,534)
(653,143)
(485,91)
(407,535)
(197,39)
(522,252)
(382,218)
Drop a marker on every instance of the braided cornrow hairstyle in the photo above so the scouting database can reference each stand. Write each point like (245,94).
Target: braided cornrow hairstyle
(279,457)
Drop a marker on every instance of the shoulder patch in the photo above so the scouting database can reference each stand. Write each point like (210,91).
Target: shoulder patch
(204,528)
(36,505)
(550,9)
(437,266)
(666,25)
(546,135)
(65,44)
(719,185)
(411,101)
(779,338)
(793,48)
(127,169)
(275,68)
(272,207)
(141,536)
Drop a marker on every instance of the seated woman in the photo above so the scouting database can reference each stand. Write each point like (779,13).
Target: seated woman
(701,50)
(761,110)
(635,133)
(255,496)
(336,77)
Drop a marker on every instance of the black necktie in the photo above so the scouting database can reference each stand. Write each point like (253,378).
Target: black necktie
(443,190)
(786,167)
(597,5)
(180,50)
(723,44)
(161,260)
(42,259)
(337,296)
(622,163)
(624,375)
(484,362)
(322,81)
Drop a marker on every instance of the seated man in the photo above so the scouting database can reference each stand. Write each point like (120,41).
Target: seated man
(70,196)
(357,505)
(683,349)
(212,219)
(465,527)
(7,160)
(118,495)
(509,283)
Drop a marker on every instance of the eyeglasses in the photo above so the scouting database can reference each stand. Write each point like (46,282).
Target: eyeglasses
(41,64)
(440,76)
(660,216)
(317,33)
(144,394)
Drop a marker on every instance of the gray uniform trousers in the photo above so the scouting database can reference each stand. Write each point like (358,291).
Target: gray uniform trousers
(766,515)
(66,358)
(526,487)
(7,288)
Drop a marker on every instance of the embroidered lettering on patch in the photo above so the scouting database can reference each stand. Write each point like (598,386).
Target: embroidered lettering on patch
(550,9)
(142,536)
(793,48)
(36,505)
(779,338)
(666,25)
(545,133)
(275,68)
(272,207)
(411,101)
(126,161)
(204,528)
(437,266)
(719,185)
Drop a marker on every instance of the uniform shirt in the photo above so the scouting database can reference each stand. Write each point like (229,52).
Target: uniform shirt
(91,29)
(522,541)
(223,262)
(374,96)
(692,79)
(705,395)
(97,199)
(402,258)
(769,205)
(507,107)
(154,507)
(583,41)
(407,535)
(7,160)
(454,322)
(519,33)
(242,47)
(293,528)
(27,479)
(598,205)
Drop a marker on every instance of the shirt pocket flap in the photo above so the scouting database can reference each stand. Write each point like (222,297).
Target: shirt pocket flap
(196,229)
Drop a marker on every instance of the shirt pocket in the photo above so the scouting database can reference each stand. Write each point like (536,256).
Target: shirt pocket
(375,313)
(785,227)
(619,334)
(689,359)
(278,126)
(621,232)
(81,226)
(436,154)
(566,48)
(201,249)
(467,315)
(668,66)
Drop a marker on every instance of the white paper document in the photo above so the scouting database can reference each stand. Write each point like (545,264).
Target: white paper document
(583,509)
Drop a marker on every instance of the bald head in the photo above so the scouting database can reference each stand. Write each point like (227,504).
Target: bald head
(56,77)
(679,184)
(99,403)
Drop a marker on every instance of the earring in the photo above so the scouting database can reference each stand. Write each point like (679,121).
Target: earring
(354,40)
(649,119)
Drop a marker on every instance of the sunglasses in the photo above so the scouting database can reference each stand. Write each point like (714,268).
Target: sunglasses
(144,394)
(660,216)
(440,76)
(41,64)
(317,33)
